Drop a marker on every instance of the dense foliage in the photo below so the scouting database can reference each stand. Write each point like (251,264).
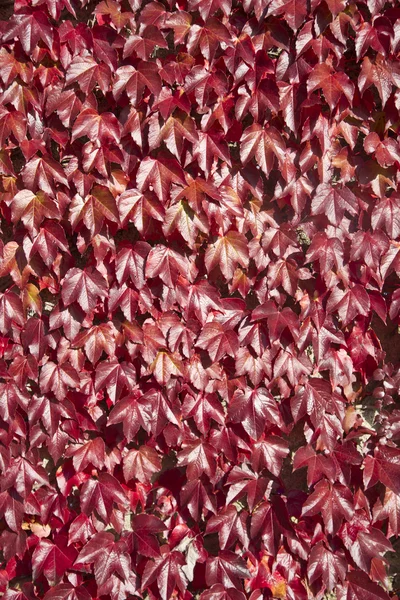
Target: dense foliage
(200,293)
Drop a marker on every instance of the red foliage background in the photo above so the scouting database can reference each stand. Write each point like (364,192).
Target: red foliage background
(200,299)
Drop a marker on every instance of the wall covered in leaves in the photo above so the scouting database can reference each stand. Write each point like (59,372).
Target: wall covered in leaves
(200,297)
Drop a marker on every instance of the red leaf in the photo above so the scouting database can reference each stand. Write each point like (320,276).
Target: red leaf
(43,174)
(254,409)
(66,591)
(166,263)
(103,127)
(199,298)
(133,413)
(30,27)
(50,240)
(58,378)
(230,525)
(349,304)
(165,365)
(318,465)
(359,587)
(364,543)
(108,557)
(159,175)
(134,81)
(167,571)
(314,399)
(387,463)
(115,377)
(203,408)
(145,530)
(84,287)
(333,84)
(87,73)
(96,340)
(144,45)
(218,341)
(333,202)
(197,499)
(12,509)
(386,216)
(31,209)
(389,509)
(330,566)
(98,206)
(91,453)
(227,569)
(141,464)
(265,145)
(228,251)
(200,457)
(218,592)
(294,12)
(243,482)
(380,74)
(100,495)
(333,502)
(269,453)
(23,475)
(140,209)
(81,530)
(51,560)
